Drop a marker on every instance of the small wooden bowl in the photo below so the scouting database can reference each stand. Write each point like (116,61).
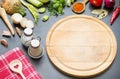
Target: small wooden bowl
(80,6)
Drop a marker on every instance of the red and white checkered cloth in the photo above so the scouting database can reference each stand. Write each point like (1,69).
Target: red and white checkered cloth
(28,70)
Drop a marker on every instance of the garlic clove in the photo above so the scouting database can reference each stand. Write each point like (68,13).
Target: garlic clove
(4,42)
(6,33)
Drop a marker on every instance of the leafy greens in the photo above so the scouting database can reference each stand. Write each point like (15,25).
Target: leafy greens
(56,7)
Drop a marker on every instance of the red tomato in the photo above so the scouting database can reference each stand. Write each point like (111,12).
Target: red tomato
(96,3)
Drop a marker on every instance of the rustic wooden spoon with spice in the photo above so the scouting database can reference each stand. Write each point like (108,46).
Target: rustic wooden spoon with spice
(79,7)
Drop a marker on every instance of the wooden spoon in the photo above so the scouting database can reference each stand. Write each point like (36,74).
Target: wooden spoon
(82,5)
(16,66)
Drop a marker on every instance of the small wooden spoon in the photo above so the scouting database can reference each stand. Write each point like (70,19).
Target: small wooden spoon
(16,66)
(82,5)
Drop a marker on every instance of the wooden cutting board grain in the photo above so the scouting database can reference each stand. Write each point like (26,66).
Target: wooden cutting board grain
(81,45)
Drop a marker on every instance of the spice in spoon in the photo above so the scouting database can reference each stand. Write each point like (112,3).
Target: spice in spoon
(78,7)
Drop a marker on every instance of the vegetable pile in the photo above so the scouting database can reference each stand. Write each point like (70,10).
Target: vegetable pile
(55,7)
(16,9)
(109,4)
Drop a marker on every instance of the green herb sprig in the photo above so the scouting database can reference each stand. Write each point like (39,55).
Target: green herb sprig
(56,7)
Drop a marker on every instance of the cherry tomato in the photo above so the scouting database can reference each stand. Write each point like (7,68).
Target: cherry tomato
(96,3)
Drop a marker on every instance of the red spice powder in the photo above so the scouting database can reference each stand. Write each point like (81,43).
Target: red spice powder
(78,7)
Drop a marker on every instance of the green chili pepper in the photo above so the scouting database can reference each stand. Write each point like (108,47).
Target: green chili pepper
(32,9)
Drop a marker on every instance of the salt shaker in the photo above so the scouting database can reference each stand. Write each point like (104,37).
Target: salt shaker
(27,36)
(35,49)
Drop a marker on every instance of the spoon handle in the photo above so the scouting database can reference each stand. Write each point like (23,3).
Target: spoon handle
(85,1)
(22,75)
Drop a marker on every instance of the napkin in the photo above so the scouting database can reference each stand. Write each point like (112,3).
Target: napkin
(27,69)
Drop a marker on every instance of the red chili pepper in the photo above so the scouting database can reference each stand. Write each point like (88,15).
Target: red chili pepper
(115,14)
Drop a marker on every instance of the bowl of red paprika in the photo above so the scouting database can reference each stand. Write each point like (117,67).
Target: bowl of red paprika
(79,7)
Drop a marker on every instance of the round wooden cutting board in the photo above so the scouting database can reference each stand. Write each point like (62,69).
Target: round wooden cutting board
(81,45)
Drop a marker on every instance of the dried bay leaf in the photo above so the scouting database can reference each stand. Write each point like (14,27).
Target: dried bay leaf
(101,13)
(97,11)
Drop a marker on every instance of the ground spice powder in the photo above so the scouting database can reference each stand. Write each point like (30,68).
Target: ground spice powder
(78,7)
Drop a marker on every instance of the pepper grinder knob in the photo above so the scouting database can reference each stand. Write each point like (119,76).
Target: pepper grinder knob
(28,31)
(35,43)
